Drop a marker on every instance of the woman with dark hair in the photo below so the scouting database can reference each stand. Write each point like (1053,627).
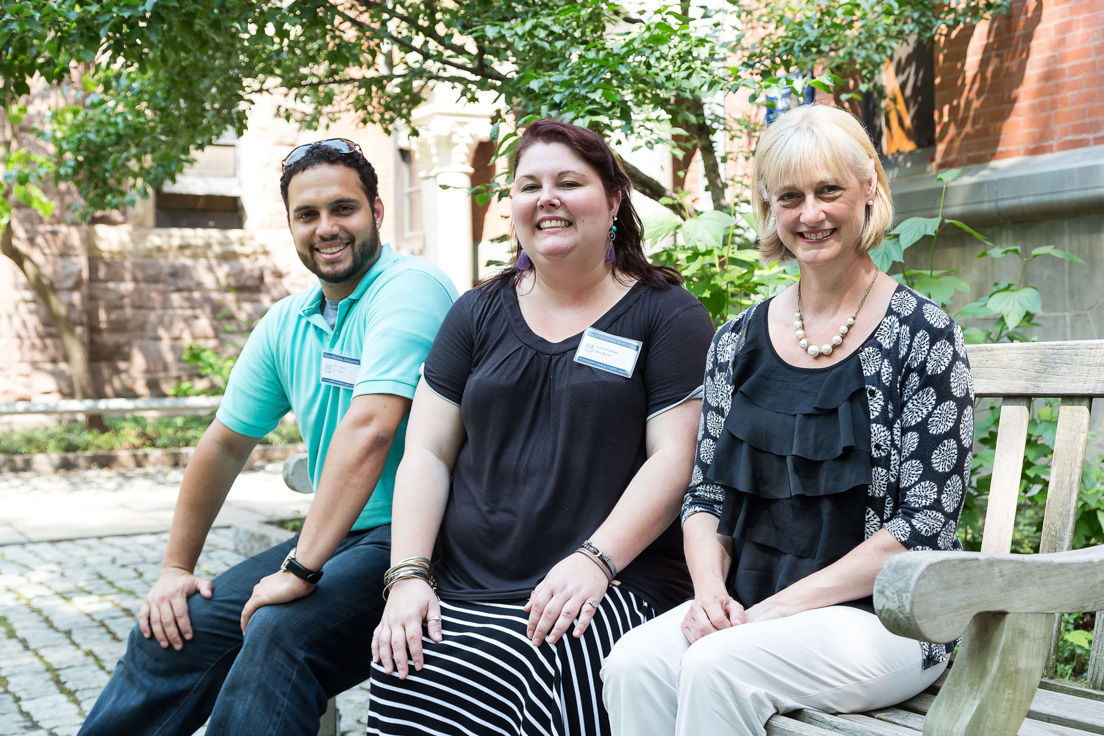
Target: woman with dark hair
(547,451)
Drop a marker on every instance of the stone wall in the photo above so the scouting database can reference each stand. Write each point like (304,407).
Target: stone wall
(139,294)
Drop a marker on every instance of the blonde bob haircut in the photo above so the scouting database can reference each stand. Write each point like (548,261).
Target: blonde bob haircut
(802,144)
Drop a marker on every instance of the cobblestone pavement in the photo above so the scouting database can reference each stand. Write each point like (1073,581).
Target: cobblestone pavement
(66,609)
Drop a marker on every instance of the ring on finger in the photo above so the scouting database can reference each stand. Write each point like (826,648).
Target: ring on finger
(433,618)
(593,603)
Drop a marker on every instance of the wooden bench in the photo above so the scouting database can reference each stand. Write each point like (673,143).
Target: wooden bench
(1006,604)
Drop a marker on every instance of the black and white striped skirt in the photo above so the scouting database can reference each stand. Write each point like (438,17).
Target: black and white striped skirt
(486,677)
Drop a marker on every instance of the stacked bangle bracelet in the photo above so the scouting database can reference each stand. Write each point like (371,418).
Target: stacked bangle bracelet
(599,558)
(411,567)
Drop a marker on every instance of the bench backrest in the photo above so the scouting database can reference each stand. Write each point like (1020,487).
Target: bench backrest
(1016,374)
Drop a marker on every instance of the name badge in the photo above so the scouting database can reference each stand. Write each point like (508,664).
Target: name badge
(607,352)
(339,370)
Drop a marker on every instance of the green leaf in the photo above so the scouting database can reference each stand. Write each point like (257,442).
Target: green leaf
(940,288)
(975,336)
(999,251)
(1014,304)
(750,220)
(888,253)
(493,135)
(980,308)
(1079,638)
(914,228)
(1050,250)
(967,228)
(708,228)
(661,225)
(948,176)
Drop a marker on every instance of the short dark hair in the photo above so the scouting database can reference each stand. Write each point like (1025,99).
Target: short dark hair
(318,155)
(628,245)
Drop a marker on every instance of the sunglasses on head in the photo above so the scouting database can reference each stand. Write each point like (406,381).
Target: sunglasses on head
(341,145)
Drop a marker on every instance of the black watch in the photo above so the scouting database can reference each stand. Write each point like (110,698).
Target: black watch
(290,564)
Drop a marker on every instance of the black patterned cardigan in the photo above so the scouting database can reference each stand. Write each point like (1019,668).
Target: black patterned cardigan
(921,398)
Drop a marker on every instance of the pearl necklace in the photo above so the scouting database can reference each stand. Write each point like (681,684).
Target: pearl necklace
(826,349)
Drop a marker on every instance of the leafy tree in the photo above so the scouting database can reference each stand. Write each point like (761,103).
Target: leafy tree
(144,82)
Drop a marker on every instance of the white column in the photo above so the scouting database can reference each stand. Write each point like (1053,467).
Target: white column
(448,132)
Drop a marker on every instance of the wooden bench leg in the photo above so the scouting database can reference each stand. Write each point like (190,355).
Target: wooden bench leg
(994,678)
(329,725)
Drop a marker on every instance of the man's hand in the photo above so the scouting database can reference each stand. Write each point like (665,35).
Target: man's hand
(279,587)
(164,612)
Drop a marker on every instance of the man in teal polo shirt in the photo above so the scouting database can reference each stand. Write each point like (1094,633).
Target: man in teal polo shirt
(262,647)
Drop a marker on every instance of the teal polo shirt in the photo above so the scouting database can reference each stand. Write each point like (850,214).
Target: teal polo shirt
(293,361)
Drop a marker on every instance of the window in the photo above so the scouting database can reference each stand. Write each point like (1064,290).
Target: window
(905,120)
(207,193)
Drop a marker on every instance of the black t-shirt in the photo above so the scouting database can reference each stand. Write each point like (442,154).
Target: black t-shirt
(552,443)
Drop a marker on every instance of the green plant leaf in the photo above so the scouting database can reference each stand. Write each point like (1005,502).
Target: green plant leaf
(1079,638)
(1050,250)
(888,253)
(1014,304)
(662,224)
(915,228)
(980,308)
(940,288)
(750,220)
(708,228)
(948,176)
(963,226)
(999,251)
(975,336)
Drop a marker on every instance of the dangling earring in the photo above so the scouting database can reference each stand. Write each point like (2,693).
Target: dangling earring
(523,263)
(611,256)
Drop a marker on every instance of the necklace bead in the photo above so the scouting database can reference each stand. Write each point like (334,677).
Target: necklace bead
(827,348)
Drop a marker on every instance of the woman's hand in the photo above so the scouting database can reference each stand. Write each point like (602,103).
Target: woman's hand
(709,614)
(562,597)
(410,604)
(766,610)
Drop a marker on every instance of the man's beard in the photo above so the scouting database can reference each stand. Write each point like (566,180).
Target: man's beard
(363,253)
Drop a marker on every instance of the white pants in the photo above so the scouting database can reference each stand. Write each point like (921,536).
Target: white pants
(838,659)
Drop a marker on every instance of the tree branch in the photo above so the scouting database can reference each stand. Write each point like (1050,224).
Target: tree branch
(702,135)
(652,189)
(383,10)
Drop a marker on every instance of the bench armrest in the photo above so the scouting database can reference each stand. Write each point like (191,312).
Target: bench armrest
(932,596)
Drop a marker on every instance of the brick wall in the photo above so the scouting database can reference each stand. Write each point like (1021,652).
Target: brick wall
(1023,84)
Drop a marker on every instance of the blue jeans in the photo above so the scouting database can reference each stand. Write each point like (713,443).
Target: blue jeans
(273,681)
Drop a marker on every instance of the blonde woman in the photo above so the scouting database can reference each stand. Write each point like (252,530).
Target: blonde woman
(835,432)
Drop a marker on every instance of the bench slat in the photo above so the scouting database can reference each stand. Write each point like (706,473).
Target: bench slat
(784,725)
(1065,474)
(905,718)
(1004,489)
(1049,711)
(922,703)
(1071,688)
(854,724)
(1038,369)
(1065,486)
(1096,656)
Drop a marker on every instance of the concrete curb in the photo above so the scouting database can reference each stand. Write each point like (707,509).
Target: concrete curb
(176,457)
(253,537)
